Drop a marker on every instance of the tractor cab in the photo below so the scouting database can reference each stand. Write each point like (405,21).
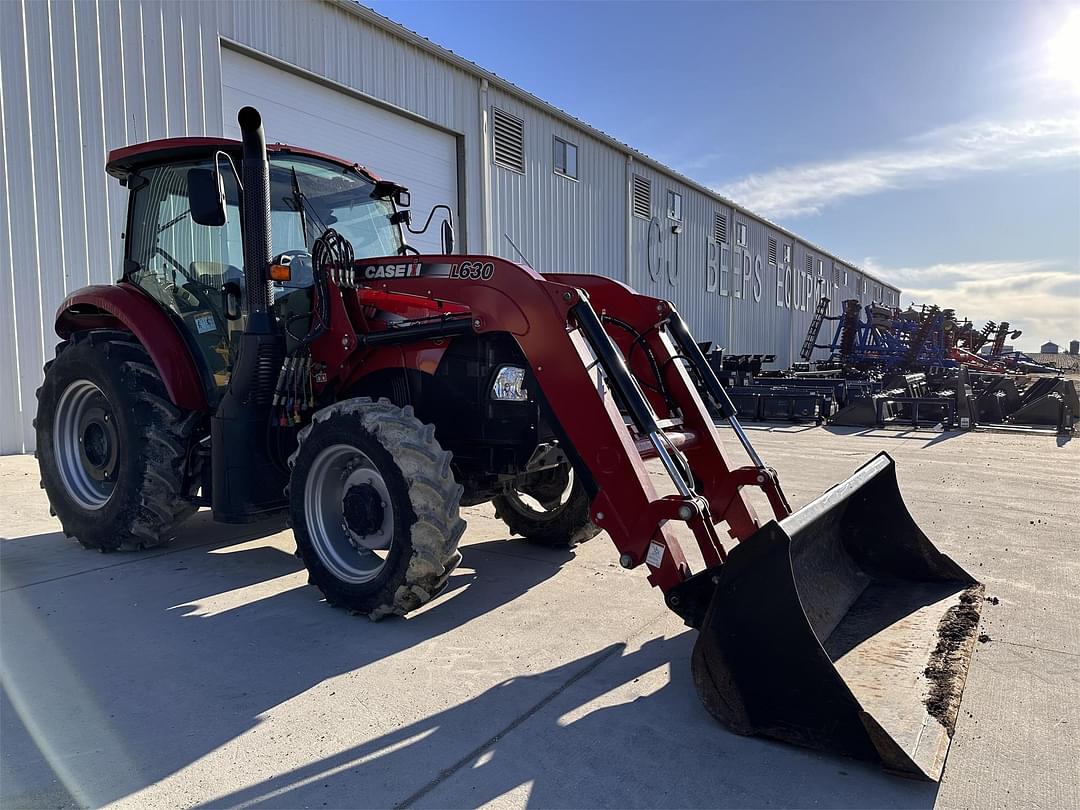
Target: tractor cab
(194,266)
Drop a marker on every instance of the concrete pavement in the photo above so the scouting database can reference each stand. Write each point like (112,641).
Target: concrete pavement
(207,673)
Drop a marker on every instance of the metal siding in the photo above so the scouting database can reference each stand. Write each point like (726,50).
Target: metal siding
(559,224)
(79,78)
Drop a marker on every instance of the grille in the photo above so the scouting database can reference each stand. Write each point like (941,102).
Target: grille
(642,197)
(508,135)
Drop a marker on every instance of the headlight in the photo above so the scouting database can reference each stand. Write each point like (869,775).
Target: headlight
(508,385)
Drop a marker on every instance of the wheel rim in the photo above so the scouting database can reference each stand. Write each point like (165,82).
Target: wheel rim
(349,514)
(544,500)
(86,444)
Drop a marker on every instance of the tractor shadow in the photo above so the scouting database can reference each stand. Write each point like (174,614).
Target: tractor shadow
(134,668)
(121,669)
(596,741)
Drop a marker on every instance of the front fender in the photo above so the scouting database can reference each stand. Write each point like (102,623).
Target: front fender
(125,306)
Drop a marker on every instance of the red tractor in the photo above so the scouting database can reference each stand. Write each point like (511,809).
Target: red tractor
(274,345)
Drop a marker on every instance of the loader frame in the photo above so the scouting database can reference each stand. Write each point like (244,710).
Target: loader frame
(556,316)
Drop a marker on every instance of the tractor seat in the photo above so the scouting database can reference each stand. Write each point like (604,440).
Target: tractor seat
(215,274)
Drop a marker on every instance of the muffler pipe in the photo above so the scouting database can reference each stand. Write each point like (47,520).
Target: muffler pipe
(256,214)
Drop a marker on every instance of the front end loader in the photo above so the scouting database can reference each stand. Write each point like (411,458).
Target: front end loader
(323,368)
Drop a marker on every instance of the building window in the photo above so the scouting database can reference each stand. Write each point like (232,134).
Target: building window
(508,139)
(740,234)
(674,206)
(787,255)
(565,158)
(641,197)
(820,268)
(772,252)
(720,229)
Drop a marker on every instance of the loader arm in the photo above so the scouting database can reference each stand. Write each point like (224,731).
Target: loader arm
(584,378)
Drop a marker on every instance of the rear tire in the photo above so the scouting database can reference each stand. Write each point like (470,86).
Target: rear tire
(111,447)
(374,507)
(556,513)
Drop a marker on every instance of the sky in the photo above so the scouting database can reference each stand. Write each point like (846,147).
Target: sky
(936,144)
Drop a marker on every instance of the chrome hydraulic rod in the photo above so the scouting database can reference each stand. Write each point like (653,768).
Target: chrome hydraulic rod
(669,464)
(641,413)
(713,388)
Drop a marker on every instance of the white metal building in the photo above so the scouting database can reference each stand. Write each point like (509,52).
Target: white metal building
(80,78)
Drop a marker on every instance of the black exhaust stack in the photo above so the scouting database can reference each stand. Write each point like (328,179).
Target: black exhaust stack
(248,480)
(257,287)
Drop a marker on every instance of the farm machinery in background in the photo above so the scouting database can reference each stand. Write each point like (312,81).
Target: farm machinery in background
(920,366)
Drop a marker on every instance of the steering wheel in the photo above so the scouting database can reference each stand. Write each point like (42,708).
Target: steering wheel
(171,260)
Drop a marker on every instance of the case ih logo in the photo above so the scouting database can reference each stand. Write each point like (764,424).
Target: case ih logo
(403,270)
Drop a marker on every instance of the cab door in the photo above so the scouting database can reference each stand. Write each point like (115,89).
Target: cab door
(186,266)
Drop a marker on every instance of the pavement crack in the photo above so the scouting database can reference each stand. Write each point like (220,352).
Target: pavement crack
(1035,647)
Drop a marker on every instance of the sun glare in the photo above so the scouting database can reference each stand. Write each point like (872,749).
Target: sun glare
(1063,51)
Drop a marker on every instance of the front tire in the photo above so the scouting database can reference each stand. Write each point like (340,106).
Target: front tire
(550,509)
(374,507)
(111,447)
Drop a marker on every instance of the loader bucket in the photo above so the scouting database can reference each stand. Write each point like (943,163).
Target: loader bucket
(842,628)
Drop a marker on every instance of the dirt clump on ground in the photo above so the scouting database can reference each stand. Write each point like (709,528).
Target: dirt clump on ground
(948,665)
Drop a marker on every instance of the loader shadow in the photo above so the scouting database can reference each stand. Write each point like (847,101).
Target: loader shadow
(926,435)
(150,662)
(659,749)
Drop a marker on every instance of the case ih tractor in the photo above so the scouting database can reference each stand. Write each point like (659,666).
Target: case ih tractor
(275,345)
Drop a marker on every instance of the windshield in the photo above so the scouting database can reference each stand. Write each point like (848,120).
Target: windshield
(308,195)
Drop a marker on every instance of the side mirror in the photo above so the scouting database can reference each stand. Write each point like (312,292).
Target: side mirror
(206,197)
(447,237)
(402,198)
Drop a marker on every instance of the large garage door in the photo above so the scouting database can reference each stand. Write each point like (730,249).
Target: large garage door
(301,112)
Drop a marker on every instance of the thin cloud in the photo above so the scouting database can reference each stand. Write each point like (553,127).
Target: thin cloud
(935,156)
(1037,296)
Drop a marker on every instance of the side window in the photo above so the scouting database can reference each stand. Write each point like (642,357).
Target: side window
(169,250)
(183,264)
(674,206)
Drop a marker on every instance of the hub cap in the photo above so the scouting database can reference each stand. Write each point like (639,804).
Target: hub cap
(350,518)
(86,444)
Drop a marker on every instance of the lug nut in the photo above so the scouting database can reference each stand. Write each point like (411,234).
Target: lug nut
(626,561)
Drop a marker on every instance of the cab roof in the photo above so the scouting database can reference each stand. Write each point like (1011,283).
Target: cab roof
(165,150)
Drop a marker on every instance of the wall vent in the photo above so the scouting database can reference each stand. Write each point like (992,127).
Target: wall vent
(508,136)
(772,251)
(809,265)
(720,229)
(836,274)
(642,197)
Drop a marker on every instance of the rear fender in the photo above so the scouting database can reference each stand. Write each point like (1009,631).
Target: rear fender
(125,306)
